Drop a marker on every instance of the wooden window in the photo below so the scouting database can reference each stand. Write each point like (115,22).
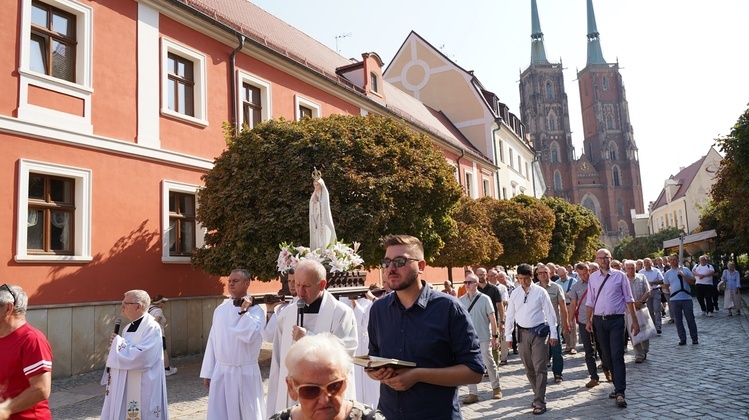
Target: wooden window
(486,187)
(53,42)
(304,112)
(252,105)
(181,223)
(51,213)
(181,85)
(374,85)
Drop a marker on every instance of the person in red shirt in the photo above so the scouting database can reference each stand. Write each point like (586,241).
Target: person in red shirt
(26,368)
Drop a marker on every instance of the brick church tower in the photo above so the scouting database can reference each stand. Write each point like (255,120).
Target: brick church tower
(606,177)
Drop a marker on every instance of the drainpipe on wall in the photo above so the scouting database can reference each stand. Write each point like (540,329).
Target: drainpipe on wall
(457,162)
(496,159)
(233,83)
(686,216)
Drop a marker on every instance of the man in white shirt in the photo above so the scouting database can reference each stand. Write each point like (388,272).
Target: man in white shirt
(530,306)
(322,313)
(655,279)
(230,370)
(703,273)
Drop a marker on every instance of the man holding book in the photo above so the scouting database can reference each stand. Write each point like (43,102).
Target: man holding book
(424,326)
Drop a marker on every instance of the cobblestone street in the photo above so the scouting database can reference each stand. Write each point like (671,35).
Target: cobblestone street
(712,377)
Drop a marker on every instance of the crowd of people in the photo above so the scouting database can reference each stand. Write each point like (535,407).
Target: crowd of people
(453,337)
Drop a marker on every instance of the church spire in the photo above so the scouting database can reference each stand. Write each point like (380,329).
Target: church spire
(595,56)
(538,53)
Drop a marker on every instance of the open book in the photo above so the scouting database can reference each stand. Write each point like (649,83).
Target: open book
(374,362)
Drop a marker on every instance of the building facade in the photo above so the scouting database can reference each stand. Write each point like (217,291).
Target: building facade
(685,195)
(422,71)
(605,178)
(106,134)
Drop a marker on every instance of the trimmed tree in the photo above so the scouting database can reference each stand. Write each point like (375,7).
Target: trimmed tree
(524,226)
(474,241)
(382,177)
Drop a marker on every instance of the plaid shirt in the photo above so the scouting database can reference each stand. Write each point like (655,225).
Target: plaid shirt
(639,286)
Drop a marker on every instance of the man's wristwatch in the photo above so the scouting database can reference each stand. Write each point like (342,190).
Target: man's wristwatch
(495,336)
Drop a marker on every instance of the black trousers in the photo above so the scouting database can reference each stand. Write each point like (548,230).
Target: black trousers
(705,297)
(610,335)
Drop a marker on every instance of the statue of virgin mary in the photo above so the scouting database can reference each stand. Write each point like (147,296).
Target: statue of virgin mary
(321,229)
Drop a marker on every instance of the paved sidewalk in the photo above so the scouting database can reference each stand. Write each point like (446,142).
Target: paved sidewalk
(712,377)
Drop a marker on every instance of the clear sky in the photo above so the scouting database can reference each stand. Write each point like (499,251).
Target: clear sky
(684,63)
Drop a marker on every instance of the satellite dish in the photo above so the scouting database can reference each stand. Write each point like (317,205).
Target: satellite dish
(712,167)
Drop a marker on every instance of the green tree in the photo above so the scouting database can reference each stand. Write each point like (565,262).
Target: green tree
(382,177)
(474,241)
(644,246)
(576,232)
(731,187)
(524,226)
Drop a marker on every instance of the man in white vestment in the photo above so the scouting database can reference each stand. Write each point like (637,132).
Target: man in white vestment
(322,313)
(135,377)
(270,327)
(230,370)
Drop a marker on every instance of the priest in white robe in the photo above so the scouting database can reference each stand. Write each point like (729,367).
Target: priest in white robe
(135,379)
(322,313)
(230,370)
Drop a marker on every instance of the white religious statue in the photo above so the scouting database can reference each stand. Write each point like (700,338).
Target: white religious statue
(321,229)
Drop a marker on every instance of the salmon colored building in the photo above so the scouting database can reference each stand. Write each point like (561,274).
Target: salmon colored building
(113,109)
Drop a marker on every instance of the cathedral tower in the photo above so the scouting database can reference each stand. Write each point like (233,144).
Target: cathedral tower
(612,187)
(544,110)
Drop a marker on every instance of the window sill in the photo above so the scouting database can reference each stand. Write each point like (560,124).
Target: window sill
(192,120)
(72,259)
(175,260)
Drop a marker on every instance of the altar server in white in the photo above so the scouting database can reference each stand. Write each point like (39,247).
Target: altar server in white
(230,370)
(322,313)
(135,378)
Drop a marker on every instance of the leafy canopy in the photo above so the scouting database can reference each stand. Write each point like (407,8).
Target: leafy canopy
(382,178)
(524,225)
(576,232)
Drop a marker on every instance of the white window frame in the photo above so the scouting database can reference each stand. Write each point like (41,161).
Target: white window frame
(470,179)
(82,217)
(180,187)
(200,96)
(82,88)
(486,185)
(301,100)
(265,96)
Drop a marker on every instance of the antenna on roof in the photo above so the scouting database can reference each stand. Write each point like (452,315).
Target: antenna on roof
(346,35)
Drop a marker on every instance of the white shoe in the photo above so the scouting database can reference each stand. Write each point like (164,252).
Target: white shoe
(171,370)
(710,314)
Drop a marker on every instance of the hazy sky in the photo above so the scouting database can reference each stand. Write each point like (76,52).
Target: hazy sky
(684,62)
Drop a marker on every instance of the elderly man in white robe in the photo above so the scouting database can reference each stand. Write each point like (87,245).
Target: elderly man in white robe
(322,313)
(230,370)
(135,377)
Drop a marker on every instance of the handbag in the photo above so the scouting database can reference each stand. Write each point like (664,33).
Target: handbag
(540,330)
(647,328)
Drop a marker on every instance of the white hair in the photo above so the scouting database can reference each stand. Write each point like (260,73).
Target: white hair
(21,300)
(141,297)
(311,265)
(318,349)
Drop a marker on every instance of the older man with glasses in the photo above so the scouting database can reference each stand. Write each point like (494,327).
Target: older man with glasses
(135,377)
(609,295)
(531,308)
(26,360)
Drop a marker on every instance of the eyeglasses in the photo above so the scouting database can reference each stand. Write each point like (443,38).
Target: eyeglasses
(11,293)
(469,282)
(398,261)
(542,272)
(603,258)
(130,303)
(312,391)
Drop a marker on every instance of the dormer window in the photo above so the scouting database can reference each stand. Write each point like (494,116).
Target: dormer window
(374,83)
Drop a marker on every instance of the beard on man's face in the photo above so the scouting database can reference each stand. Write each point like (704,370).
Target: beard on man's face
(408,280)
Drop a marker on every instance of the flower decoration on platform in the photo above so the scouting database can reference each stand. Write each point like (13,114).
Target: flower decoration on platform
(337,257)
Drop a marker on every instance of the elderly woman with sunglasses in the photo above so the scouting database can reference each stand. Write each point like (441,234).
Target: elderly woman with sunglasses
(318,367)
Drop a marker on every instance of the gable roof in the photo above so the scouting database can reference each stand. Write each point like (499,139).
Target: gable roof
(683,179)
(271,32)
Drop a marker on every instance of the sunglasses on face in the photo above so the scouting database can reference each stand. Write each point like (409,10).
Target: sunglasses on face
(11,293)
(311,391)
(398,261)
(469,282)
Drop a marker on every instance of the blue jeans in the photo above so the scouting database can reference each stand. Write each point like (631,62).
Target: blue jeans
(555,355)
(684,309)
(610,335)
